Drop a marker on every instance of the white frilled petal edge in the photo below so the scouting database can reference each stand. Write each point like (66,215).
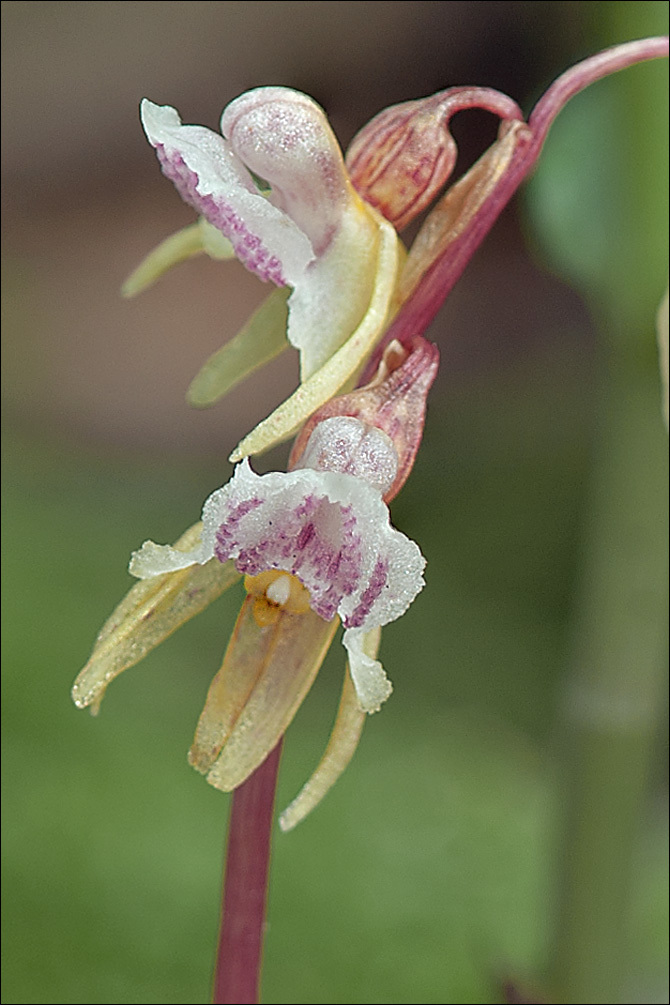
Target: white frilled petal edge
(330,530)
(310,231)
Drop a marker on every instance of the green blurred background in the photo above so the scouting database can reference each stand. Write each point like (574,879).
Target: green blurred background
(430,872)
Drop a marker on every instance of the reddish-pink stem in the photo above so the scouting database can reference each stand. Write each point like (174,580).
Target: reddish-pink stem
(619,57)
(238,961)
(417,313)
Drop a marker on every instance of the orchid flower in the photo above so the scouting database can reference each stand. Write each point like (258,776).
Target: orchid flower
(305,229)
(316,548)
(314,543)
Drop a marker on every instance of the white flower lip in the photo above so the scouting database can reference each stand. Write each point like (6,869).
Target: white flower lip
(330,529)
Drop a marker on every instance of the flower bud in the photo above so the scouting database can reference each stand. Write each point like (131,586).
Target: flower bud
(393,402)
(402,158)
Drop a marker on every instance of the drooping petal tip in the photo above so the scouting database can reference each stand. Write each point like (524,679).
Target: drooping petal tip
(372,685)
(211,178)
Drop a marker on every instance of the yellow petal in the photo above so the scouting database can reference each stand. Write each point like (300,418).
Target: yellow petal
(341,367)
(151,611)
(341,746)
(266,673)
(198,238)
(261,339)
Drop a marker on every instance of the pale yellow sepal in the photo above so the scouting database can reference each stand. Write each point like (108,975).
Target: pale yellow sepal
(196,239)
(151,611)
(341,746)
(266,673)
(261,339)
(343,365)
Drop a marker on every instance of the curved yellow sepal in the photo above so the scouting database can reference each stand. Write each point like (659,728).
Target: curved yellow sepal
(196,239)
(343,364)
(151,611)
(341,746)
(261,339)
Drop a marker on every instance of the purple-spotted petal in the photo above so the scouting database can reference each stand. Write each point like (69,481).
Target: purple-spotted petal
(211,178)
(284,137)
(330,530)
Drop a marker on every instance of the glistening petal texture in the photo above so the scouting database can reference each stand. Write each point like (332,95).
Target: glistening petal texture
(335,296)
(342,367)
(367,674)
(329,529)
(147,615)
(343,443)
(266,673)
(209,176)
(284,137)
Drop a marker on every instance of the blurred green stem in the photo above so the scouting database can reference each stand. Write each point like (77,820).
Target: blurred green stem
(612,705)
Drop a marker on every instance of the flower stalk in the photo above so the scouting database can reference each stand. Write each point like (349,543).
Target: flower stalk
(240,947)
(465,215)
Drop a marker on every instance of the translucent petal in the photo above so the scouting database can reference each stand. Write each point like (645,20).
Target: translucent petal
(266,673)
(154,560)
(340,368)
(214,243)
(372,685)
(341,746)
(198,238)
(174,249)
(284,137)
(261,339)
(334,296)
(150,612)
(212,179)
